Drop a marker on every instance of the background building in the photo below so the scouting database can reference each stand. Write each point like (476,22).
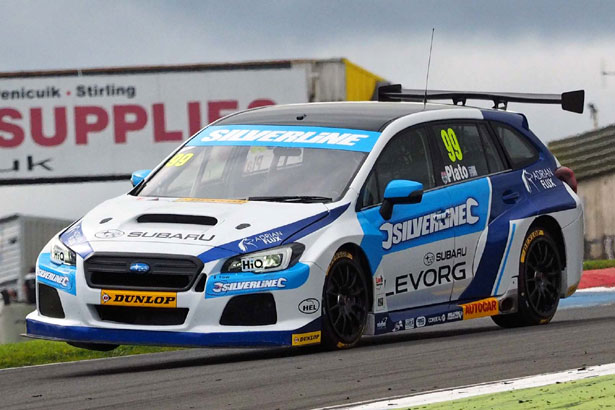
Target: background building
(591,156)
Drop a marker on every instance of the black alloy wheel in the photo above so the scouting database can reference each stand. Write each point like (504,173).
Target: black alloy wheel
(345,302)
(539,284)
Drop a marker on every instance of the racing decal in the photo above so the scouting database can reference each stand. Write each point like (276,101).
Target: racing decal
(456,173)
(116,233)
(451,143)
(424,225)
(138,298)
(538,180)
(254,242)
(274,237)
(179,160)
(428,278)
(309,306)
(420,226)
(530,238)
(61,277)
(480,308)
(430,257)
(302,339)
(228,284)
(286,136)
(417,318)
(74,238)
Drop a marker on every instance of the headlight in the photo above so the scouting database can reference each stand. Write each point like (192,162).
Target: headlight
(62,254)
(270,260)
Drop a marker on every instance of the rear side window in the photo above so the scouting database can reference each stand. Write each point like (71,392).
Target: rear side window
(466,151)
(519,150)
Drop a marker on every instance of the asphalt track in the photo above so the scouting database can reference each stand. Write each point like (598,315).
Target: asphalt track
(443,356)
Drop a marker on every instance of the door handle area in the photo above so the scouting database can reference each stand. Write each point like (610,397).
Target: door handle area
(510,197)
(440,216)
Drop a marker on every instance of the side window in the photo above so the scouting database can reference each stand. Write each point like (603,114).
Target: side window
(406,156)
(466,152)
(520,152)
(494,160)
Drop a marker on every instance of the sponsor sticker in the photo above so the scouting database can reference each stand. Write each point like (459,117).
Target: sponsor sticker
(302,339)
(223,287)
(528,241)
(382,324)
(421,321)
(399,325)
(480,308)
(462,214)
(309,306)
(538,180)
(287,136)
(138,298)
(409,323)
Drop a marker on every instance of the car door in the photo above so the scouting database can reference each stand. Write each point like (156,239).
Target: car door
(402,249)
(469,157)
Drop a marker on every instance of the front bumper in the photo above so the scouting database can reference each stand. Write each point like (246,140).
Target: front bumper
(40,327)
(202,325)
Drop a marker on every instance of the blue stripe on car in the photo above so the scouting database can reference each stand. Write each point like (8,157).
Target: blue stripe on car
(273,237)
(36,328)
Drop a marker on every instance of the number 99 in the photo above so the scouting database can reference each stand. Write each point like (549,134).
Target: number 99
(451,144)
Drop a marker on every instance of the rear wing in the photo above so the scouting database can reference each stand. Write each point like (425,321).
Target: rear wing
(573,101)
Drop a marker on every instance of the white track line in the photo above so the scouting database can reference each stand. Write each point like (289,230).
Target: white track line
(438,396)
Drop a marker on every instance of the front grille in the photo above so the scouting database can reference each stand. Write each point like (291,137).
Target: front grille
(166,272)
(49,302)
(142,315)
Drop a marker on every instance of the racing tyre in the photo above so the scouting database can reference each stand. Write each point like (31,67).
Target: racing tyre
(99,347)
(345,302)
(540,275)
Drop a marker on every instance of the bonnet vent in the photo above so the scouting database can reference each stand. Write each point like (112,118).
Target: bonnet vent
(178,219)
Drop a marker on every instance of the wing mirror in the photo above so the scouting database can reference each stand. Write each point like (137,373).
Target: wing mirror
(138,176)
(400,191)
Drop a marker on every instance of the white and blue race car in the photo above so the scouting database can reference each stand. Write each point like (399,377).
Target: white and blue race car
(319,223)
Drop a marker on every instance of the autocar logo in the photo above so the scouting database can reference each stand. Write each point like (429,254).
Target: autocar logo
(139,267)
(109,234)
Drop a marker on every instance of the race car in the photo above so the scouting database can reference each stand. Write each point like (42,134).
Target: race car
(318,223)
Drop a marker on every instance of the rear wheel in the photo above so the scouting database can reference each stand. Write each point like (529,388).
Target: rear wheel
(345,302)
(539,283)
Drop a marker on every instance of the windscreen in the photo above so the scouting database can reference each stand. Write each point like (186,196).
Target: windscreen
(268,173)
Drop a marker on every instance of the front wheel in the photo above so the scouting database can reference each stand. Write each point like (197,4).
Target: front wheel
(345,302)
(540,273)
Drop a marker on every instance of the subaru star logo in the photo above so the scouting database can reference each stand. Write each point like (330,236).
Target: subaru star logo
(109,233)
(139,267)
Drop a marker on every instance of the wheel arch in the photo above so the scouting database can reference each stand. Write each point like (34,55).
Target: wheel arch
(357,252)
(555,230)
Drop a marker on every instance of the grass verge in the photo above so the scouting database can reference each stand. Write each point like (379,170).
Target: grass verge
(599,264)
(45,351)
(590,394)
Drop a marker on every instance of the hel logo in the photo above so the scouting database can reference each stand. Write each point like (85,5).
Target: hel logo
(302,339)
(480,308)
(309,306)
(139,267)
(134,298)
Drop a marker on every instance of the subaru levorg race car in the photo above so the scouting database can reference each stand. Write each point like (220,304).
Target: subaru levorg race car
(319,223)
